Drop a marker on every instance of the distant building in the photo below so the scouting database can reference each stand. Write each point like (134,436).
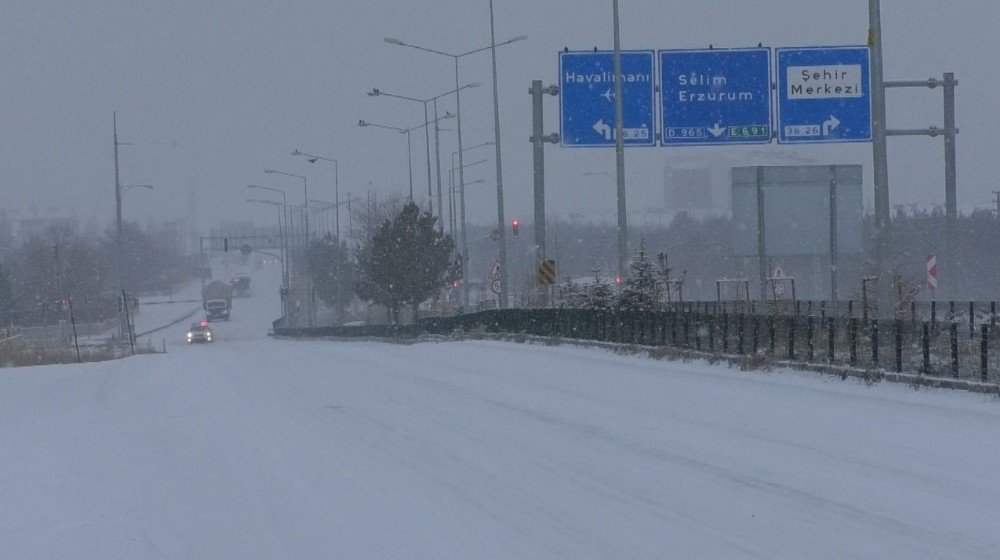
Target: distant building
(700,184)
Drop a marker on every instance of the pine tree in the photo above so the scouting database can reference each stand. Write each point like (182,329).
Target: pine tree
(638,292)
(332,272)
(406,262)
(600,296)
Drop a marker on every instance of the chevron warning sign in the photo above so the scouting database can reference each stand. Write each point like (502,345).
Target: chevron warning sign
(547,272)
(931,272)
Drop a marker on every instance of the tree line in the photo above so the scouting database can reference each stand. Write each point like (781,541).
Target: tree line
(42,274)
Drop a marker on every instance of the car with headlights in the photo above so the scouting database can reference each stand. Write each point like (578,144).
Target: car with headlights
(199,332)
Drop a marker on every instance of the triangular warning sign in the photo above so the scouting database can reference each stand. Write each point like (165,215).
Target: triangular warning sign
(495,271)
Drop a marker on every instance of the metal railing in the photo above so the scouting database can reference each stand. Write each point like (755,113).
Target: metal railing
(939,349)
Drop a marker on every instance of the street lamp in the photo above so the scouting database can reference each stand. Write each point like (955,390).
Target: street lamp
(126,188)
(281,235)
(476,182)
(437,140)
(453,190)
(284,235)
(461,175)
(305,186)
(119,240)
(336,180)
(458,111)
(324,206)
(409,156)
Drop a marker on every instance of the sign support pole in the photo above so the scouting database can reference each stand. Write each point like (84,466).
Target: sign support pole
(538,158)
(538,140)
(761,247)
(949,132)
(620,153)
(833,234)
(883,250)
(950,177)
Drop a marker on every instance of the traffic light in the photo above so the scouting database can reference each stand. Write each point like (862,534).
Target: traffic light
(515,225)
(225,245)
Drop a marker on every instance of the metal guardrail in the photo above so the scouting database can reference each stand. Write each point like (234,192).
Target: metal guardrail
(940,349)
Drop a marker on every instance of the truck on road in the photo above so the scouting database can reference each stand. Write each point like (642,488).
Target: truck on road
(241,285)
(217,300)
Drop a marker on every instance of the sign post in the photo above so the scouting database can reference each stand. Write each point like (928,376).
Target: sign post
(495,277)
(587,98)
(824,95)
(715,96)
(931,263)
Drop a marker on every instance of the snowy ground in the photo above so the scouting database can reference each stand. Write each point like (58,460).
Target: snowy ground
(259,448)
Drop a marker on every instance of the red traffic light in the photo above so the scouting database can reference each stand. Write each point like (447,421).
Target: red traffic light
(515,224)
(618,280)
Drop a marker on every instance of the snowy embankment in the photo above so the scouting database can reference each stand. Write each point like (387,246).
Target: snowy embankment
(257,448)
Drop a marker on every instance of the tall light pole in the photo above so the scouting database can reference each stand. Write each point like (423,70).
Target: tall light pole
(284,234)
(501,222)
(281,240)
(375,92)
(458,112)
(336,180)
(455,168)
(118,231)
(363,123)
(119,235)
(305,187)
(451,198)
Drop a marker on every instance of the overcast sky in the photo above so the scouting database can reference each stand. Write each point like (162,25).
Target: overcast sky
(238,84)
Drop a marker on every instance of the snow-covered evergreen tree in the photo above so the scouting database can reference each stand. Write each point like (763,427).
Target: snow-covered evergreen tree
(638,292)
(600,296)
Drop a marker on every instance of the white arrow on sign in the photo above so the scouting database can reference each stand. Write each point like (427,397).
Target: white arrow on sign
(603,128)
(830,124)
(608,95)
(717,130)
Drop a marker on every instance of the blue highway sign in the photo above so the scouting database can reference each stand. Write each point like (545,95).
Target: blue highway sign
(587,98)
(824,95)
(715,96)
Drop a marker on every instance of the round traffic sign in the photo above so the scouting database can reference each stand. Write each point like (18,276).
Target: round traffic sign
(495,286)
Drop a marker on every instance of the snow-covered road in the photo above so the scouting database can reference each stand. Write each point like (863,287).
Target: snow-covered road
(259,448)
